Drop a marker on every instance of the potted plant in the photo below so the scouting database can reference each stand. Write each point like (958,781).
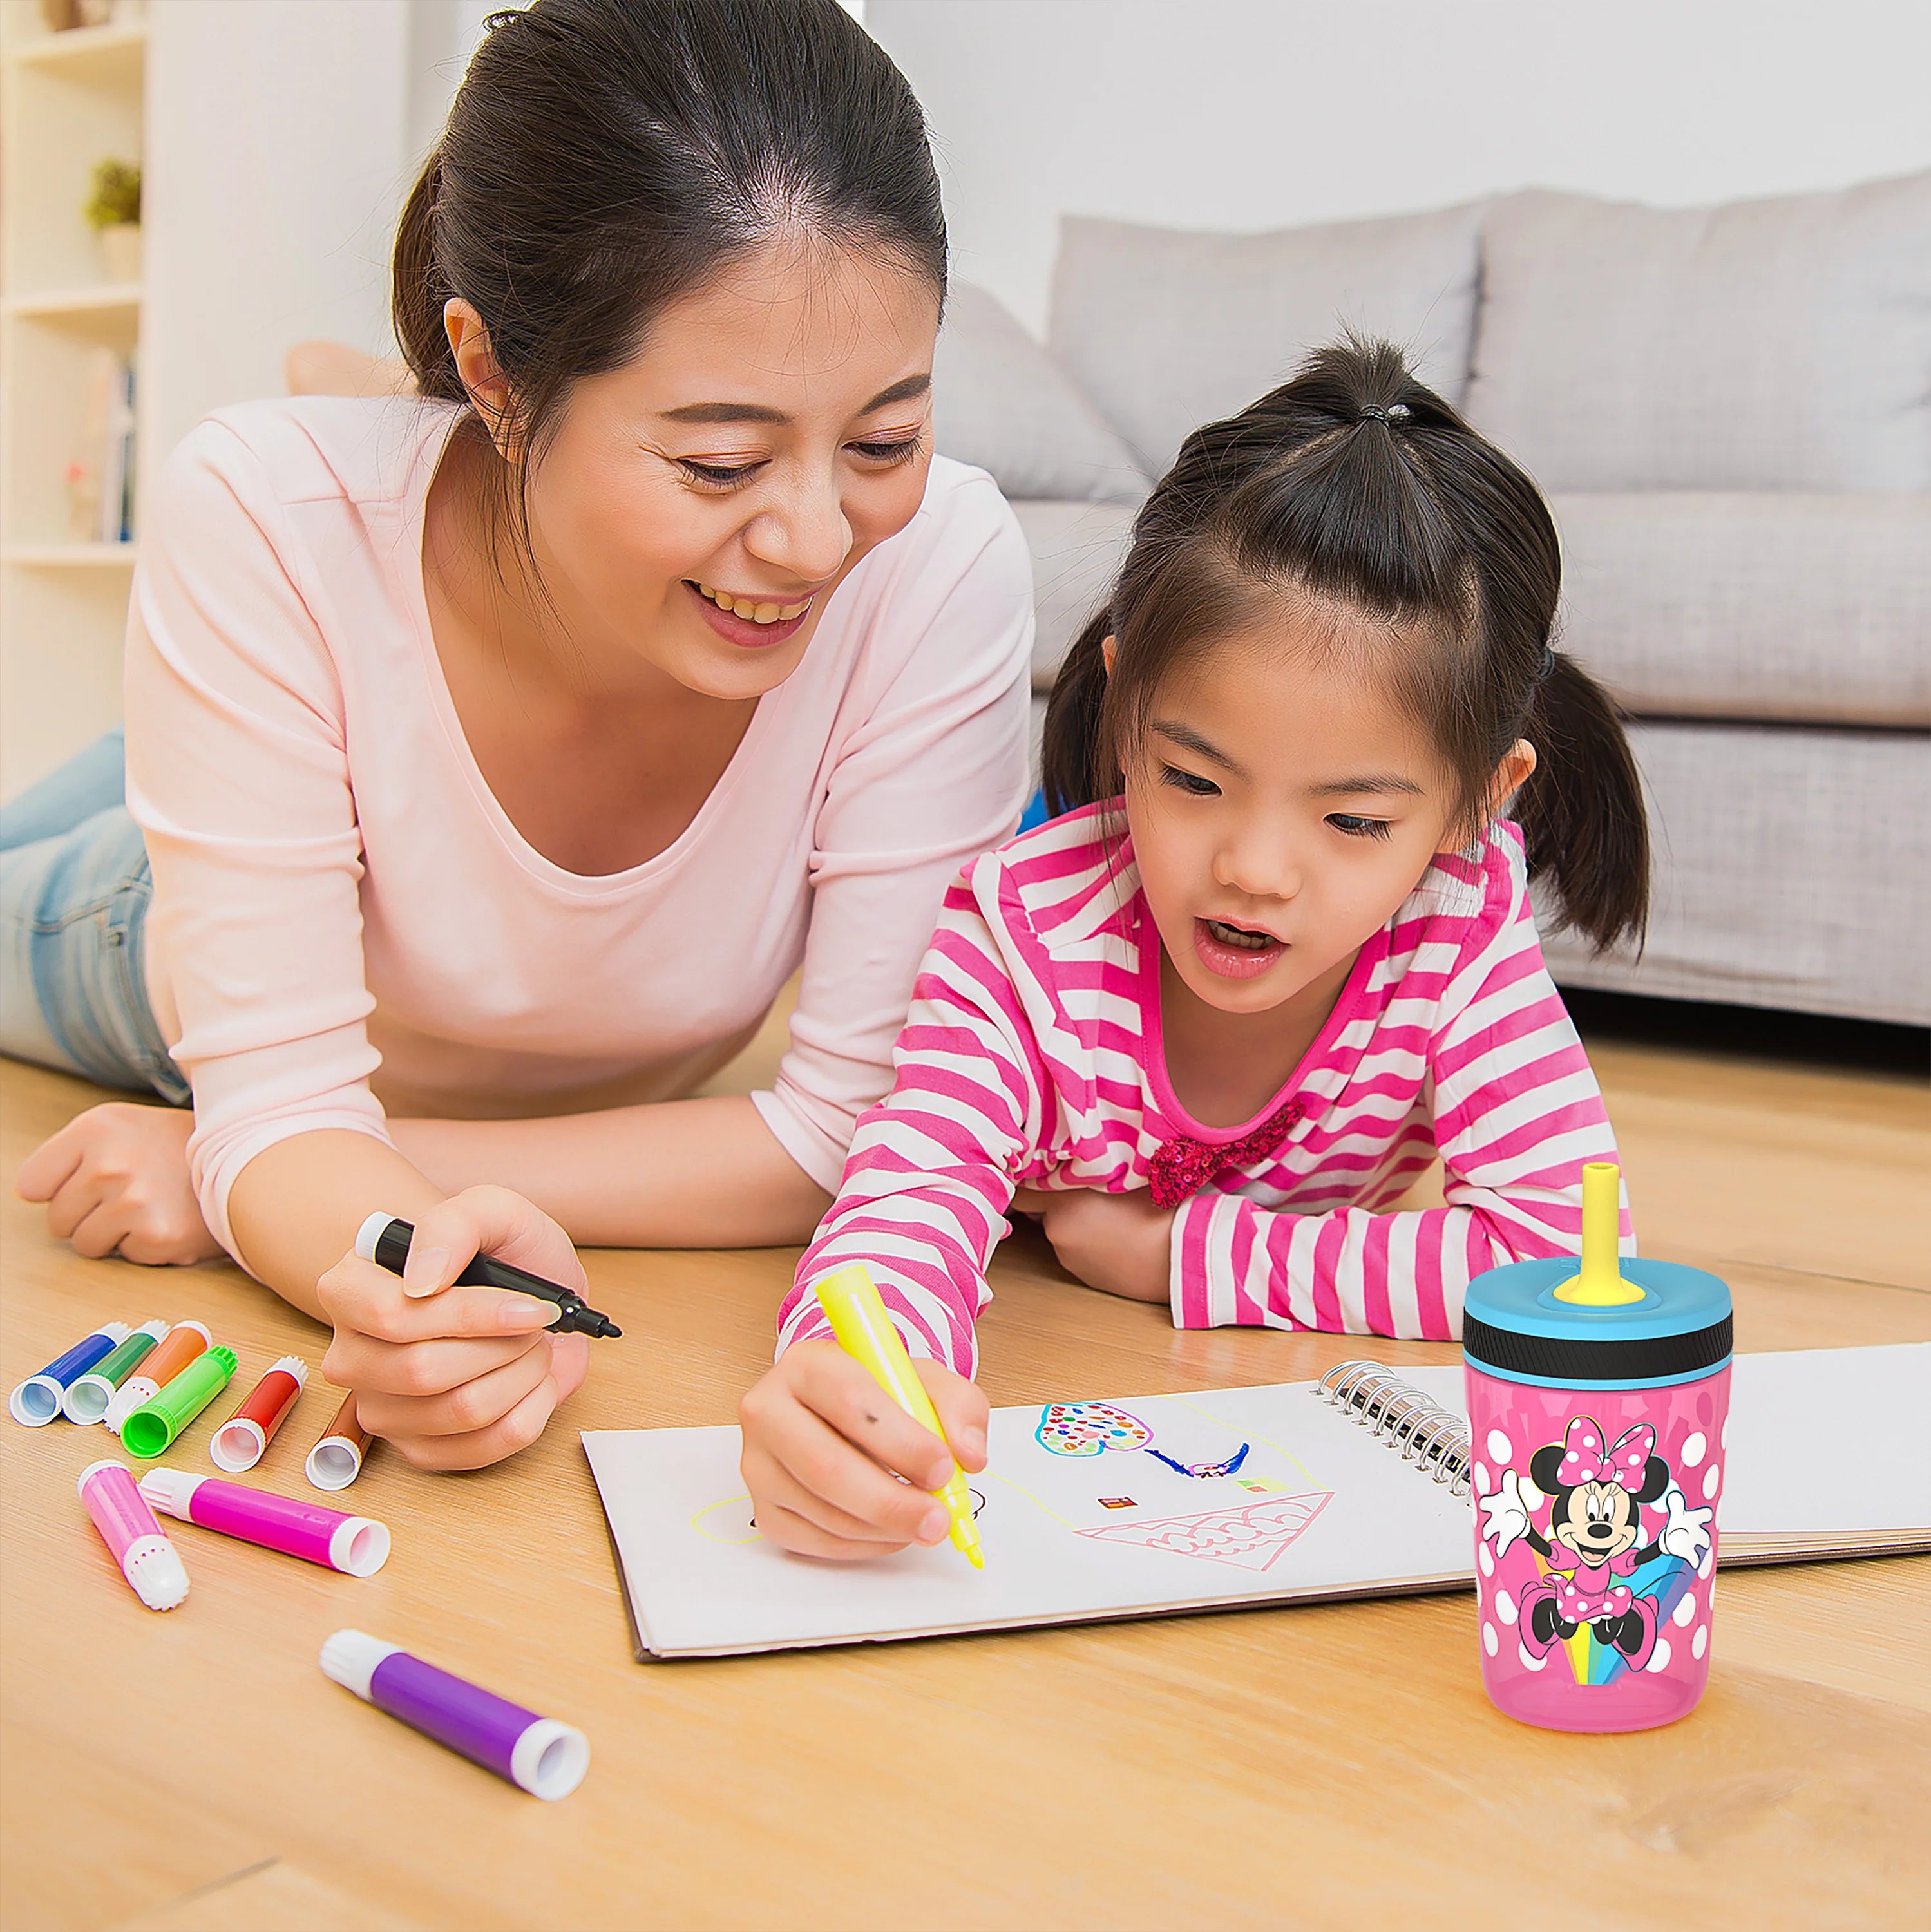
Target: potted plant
(113,211)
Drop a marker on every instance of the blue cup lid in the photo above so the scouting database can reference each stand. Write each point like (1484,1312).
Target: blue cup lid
(1514,1324)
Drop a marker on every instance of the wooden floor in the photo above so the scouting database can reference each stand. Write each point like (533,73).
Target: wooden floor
(1319,1767)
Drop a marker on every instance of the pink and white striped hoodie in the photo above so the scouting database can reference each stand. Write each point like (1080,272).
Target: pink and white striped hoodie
(1032,1057)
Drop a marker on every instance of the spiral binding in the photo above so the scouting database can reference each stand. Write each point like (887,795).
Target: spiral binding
(1427,1434)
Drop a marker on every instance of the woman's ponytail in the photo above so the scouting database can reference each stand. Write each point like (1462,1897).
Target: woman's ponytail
(419,290)
(1072,761)
(1581,811)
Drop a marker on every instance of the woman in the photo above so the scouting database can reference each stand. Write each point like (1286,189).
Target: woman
(498,756)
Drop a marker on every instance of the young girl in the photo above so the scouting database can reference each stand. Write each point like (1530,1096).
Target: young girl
(1276,953)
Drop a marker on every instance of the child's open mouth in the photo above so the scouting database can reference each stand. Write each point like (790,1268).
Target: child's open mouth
(1235,951)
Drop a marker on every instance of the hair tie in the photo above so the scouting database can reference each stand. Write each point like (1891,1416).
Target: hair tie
(1394,413)
(1548,665)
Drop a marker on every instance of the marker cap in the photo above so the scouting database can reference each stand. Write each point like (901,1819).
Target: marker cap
(87,1399)
(38,1400)
(147,1560)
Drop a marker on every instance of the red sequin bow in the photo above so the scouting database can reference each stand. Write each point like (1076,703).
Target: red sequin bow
(1184,1165)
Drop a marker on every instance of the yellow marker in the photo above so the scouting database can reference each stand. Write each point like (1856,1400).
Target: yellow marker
(1601,1284)
(850,1299)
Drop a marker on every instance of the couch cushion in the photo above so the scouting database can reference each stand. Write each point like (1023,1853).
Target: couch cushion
(1166,329)
(1001,402)
(1789,872)
(1766,345)
(1763,605)
(1077,548)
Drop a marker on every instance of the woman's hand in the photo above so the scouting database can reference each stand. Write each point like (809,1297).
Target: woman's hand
(1119,1242)
(456,1377)
(824,1446)
(115,1179)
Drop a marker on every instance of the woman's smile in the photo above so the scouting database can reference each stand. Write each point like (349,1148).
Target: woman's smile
(740,620)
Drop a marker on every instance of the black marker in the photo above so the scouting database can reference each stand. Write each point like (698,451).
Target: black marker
(384,1239)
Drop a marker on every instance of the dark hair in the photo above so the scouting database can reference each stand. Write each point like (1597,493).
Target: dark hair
(602,157)
(1357,485)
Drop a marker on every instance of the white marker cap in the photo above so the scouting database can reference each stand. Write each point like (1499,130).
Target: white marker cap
(237,1445)
(358,1546)
(351,1658)
(169,1490)
(549,1760)
(334,1463)
(154,1567)
(369,1233)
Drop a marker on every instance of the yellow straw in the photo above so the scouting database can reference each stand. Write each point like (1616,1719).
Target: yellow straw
(1600,1284)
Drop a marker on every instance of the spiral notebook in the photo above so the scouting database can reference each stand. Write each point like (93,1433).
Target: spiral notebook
(1356,1486)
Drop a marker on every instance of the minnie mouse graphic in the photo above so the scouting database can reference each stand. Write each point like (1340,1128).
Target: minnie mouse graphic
(1596,1495)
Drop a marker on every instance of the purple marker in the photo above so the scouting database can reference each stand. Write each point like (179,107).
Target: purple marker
(546,1758)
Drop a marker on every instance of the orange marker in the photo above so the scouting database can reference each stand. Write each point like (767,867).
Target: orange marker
(182,1343)
(336,1460)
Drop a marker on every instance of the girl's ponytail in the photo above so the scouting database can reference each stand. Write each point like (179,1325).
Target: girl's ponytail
(1073,760)
(419,290)
(1581,811)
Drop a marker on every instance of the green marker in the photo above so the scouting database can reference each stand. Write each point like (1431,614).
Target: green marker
(87,1399)
(152,1427)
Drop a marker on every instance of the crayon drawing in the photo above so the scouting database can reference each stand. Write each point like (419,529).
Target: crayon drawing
(1088,1428)
(1250,1538)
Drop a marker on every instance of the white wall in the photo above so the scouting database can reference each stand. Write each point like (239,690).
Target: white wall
(282,136)
(1245,114)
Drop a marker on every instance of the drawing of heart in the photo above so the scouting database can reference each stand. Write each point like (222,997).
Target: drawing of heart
(1089,1428)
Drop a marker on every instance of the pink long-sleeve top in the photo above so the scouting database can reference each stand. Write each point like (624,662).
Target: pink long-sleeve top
(345,916)
(1032,1057)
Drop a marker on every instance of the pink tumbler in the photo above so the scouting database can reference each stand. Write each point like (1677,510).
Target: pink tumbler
(1597,1400)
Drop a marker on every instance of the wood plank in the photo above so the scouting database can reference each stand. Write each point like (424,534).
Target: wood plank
(1250,1769)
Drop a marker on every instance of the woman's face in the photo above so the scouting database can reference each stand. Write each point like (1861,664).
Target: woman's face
(697,507)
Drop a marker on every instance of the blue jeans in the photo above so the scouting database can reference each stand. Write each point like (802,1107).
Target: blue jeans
(74,891)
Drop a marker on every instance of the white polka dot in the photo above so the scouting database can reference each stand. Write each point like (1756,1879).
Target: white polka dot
(1530,1661)
(1685,1609)
(1505,1606)
(1530,1495)
(1482,1557)
(1709,1562)
(1712,1476)
(1700,1642)
(1499,1446)
(1489,1639)
(1695,1449)
(1723,1434)
(1589,1442)
(1659,1657)
(1482,1485)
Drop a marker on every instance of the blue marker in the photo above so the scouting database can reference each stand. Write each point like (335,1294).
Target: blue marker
(38,1400)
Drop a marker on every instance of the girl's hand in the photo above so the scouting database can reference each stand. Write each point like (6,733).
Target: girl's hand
(115,1179)
(822,1441)
(1119,1242)
(456,1377)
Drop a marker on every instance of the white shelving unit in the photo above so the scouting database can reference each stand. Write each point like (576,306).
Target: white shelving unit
(66,100)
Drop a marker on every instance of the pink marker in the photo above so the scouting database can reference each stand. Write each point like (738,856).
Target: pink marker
(357,1546)
(151,1564)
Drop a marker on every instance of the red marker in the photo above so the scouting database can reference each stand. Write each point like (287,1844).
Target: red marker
(240,1442)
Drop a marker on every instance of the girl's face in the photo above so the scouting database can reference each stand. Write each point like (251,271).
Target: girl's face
(697,507)
(1281,809)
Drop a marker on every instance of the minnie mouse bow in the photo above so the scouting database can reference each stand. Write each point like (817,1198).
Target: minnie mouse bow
(1585,1460)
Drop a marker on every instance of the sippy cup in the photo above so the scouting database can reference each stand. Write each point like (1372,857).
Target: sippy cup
(1597,1400)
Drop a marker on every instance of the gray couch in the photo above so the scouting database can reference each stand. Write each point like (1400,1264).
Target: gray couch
(1730,409)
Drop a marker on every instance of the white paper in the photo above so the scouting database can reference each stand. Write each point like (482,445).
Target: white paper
(1316,1507)
(1821,1441)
